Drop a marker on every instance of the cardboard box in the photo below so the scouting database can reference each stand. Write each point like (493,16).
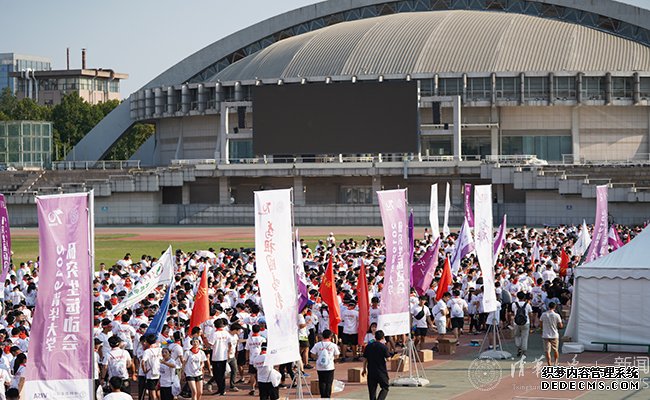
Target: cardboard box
(354,375)
(447,346)
(314,387)
(425,355)
(399,364)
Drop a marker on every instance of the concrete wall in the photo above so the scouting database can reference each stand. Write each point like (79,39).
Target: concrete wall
(198,135)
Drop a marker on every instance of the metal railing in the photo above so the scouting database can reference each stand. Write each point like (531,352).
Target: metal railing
(639,158)
(87,165)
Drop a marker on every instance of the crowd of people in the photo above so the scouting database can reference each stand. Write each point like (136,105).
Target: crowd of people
(226,353)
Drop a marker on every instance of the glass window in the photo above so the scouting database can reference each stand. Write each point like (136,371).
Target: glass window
(645,88)
(536,88)
(438,145)
(240,149)
(476,146)
(565,87)
(593,88)
(479,89)
(27,144)
(622,87)
(356,195)
(550,148)
(426,87)
(507,88)
(450,87)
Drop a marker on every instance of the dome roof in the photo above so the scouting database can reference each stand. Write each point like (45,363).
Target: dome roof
(442,42)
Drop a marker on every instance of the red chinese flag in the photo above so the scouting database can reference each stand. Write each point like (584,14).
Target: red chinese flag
(201,310)
(564,263)
(364,307)
(445,280)
(328,294)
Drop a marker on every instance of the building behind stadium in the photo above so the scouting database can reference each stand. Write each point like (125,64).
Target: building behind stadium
(552,100)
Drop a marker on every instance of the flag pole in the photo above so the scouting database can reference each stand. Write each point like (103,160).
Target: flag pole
(91,256)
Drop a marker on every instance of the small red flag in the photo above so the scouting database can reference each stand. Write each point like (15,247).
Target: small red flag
(201,309)
(328,294)
(364,307)
(445,280)
(564,263)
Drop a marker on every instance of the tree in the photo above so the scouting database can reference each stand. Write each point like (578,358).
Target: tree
(72,119)
(28,110)
(8,102)
(131,141)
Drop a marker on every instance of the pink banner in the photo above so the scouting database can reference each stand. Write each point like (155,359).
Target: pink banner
(5,240)
(60,347)
(500,239)
(394,306)
(469,215)
(424,270)
(598,247)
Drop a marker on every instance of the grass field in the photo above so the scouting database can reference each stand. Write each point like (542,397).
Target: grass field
(110,248)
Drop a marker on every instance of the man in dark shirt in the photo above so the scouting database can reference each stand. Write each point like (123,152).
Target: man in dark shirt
(374,365)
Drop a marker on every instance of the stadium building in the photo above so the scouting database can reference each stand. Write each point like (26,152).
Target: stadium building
(543,99)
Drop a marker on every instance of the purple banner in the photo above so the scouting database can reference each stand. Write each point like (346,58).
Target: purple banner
(301,279)
(500,239)
(424,270)
(411,239)
(613,239)
(464,246)
(598,247)
(394,307)
(5,239)
(469,215)
(60,347)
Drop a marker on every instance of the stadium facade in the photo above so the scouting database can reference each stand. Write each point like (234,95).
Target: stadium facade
(543,99)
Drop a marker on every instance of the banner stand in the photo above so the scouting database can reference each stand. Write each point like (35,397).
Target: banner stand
(416,377)
(299,380)
(497,351)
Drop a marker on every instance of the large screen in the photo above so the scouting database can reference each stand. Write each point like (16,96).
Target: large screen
(336,118)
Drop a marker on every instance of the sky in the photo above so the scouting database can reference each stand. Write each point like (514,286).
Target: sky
(139,37)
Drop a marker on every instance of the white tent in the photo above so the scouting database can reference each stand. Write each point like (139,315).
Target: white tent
(611,298)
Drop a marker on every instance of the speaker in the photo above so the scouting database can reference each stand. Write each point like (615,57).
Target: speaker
(435,108)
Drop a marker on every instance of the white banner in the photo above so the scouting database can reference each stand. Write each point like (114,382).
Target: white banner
(276,275)
(445,224)
(483,243)
(63,389)
(161,273)
(433,213)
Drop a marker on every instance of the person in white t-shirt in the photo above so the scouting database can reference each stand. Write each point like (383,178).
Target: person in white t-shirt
(350,318)
(167,374)
(440,313)
(253,347)
(550,322)
(326,352)
(422,321)
(117,393)
(151,366)
(458,308)
(194,360)
(267,390)
(522,330)
(220,342)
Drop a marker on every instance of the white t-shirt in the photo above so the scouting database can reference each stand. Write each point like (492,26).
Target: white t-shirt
(529,309)
(254,346)
(118,396)
(457,307)
(263,371)
(167,373)
(550,320)
(330,347)
(438,311)
(5,379)
(117,360)
(194,363)
(151,358)
(493,317)
(422,322)
(374,315)
(350,321)
(220,341)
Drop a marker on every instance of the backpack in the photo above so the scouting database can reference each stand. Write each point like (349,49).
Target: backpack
(324,358)
(456,310)
(520,315)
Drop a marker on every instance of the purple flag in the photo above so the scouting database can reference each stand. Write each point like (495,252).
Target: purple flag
(598,247)
(301,279)
(5,239)
(425,269)
(464,246)
(613,239)
(411,239)
(469,215)
(394,318)
(60,349)
(500,240)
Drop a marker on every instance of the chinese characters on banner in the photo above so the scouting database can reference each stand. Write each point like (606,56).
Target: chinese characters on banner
(598,246)
(276,274)
(483,243)
(394,315)
(60,349)
(5,239)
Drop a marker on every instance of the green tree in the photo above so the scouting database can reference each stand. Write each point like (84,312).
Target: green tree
(131,141)
(72,119)
(8,102)
(29,110)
